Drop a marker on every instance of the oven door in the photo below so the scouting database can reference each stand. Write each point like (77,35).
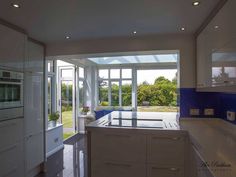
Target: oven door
(11,95)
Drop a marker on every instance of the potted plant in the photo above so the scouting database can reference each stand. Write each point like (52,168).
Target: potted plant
(53,118)
(85,110)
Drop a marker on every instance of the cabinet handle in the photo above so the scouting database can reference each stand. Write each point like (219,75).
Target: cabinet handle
(56,140)
(169,138)
(121,136)
(117,164)
(174,169)
(170,169)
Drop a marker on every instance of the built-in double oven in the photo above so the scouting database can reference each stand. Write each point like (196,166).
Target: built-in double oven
(11,94)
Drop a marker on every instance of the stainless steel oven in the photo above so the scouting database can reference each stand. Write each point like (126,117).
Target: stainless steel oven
(11,94)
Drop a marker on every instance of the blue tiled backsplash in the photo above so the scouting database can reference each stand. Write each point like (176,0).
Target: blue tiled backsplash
(220,102)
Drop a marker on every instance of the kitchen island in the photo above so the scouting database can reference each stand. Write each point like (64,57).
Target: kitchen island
(136,144)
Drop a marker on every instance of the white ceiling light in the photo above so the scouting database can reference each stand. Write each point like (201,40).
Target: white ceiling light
(182,29)
(134,32)
(216,27)
(67,37)
(196,3)
(15,5)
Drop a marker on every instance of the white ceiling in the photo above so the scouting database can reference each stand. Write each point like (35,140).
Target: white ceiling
(51,20)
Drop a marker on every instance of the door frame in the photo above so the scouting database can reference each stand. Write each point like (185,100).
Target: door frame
(60,80)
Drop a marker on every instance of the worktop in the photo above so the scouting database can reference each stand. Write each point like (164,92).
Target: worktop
(137,120)
(215,141)
(212,140)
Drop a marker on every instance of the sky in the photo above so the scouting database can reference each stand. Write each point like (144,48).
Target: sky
(151,75)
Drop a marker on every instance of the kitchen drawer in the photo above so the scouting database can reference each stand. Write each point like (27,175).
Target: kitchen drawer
(12,129)
(118,147)
(166,149)
(117,169)
(164,171)
(12,160)
(54,138)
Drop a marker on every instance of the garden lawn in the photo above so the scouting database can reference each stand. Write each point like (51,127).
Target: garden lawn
(67,120)
(67,135)
(157,109)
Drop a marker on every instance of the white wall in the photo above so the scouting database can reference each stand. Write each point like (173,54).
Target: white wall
(184,43)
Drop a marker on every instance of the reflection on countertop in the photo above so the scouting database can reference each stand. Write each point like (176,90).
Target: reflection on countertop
(137,120)
(215,140)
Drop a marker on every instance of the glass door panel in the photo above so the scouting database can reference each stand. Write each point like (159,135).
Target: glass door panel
(115,93)
(81,94)
(126,93)
(67,104)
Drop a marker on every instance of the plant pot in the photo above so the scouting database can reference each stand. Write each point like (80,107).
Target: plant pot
(83,113)
(52,123)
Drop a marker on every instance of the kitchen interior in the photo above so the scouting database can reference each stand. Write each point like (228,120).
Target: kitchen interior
(60,115)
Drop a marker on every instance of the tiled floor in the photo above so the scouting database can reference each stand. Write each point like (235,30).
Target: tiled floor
(75,160)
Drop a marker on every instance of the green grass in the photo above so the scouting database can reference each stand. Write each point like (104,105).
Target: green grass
(67,119)
(157,109)
(67,135)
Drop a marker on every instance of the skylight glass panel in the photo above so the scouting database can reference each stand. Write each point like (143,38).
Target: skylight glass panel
(136,59)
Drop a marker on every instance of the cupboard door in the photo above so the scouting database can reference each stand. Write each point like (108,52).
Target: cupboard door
(12,129)
(117,169)
(12,160)
(12,48)
(33,89)
(160,171)
(166,149)
(34,151)
(115,146)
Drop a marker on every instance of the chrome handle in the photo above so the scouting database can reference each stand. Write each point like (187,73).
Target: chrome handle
(118,164)
(116,135)
(56,140)
(170,138)
(170,169)
(174,169)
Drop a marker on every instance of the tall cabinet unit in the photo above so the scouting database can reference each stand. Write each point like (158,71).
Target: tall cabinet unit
(12,49)
(216,50)
(12,54)
(33,112)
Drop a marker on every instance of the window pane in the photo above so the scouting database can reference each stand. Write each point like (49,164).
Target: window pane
(81,72)
(103,73)
(81,94)
(115,73)
(103,93)
(114,93)
(66,73)
(50,66)
(49,95)
(126,93)
(231,72)
(127,73)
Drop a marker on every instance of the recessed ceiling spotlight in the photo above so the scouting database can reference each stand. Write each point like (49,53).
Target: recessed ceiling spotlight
(196,3)
(182,29)
(134,32)
(15,5)
(67,37)
(216,27)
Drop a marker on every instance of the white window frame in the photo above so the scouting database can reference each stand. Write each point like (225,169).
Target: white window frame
(120,79)
(134,68)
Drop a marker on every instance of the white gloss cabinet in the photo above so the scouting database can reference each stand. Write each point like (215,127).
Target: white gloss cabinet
(54,138)
(216,50)
(33,108)
(12,49)
(11,148)
(143,153)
